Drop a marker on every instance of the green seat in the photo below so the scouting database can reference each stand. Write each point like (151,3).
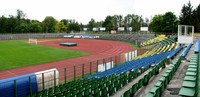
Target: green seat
(190,84)
(192,69)
(150,95)
(146,79)
(156,91)
(163,79)
(111,89)
(191,73)
(140,83)
(190,78)
(193,63)
(127,94)
(192,66)
(167,77)
(188,92)
(160,84)
(133,89)
(153,90)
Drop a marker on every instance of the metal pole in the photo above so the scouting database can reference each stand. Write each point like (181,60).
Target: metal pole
(97,65)
(15,88)
(30,85)
(54,78)
(104,62)
(83,71)
(43,87)
(65,74)
(74,72)
(90,68)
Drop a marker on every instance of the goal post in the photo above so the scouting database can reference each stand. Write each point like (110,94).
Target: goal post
(31,40)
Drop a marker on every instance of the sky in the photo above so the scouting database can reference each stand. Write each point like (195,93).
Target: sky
(83,10)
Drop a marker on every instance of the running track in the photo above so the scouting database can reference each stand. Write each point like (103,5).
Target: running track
(98,49)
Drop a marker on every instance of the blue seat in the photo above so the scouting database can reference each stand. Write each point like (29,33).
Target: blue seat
(184,53)
(132,65)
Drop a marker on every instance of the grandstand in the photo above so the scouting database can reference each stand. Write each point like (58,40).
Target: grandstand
(151,74)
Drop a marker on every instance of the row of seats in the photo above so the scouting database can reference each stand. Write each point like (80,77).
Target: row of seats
(159,87)
(197,46)
(190,83)
(174,52)
(154,40)
(144,81)
(186,50)
(163,46)
(132,65)
(131,38)
(103,87)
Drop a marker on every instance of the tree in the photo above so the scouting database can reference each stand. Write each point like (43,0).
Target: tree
(20,14)
(35,26)
(186,14)
(49,24)
(169,22)
(91,24)
(108,23)
(136,22)
(196,18)
(60,27)
(156,23)
(127,21)
(73,26)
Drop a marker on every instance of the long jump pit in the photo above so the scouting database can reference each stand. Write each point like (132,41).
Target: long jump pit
(68,44)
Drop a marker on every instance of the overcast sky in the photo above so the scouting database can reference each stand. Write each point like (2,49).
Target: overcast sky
(83,10)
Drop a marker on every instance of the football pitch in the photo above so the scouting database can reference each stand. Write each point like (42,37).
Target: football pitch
(17,54)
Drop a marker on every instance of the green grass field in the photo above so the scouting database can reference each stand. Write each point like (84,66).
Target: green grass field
(17,54)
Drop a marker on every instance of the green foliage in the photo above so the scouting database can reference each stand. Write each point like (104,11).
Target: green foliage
(60,27)
(108,23)
(73,26)
(35,26)
(17,54)
(190,16)
(196,18)
(169,22)
(49,24)
(156,24)
(164,23)
(186,14)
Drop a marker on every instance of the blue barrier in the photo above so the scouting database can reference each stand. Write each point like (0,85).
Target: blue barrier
(19,86)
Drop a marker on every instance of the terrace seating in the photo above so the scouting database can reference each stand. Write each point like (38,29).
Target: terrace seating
(159,87)
(190,83)
(153,41)
(144,80)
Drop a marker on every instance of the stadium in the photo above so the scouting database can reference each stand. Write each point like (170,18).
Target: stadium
(111,48)
(101,66)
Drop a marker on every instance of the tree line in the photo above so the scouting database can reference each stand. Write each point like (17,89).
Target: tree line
(169,22)
(160,23)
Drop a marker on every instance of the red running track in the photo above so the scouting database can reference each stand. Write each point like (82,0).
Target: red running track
(98,49)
